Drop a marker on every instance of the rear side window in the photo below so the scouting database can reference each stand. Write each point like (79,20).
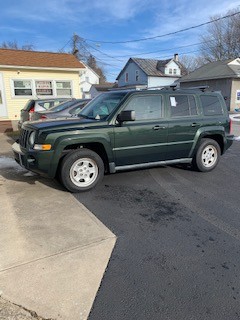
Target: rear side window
(183,105)
(211,105)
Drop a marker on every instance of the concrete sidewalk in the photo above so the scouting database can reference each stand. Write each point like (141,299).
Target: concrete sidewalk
(53,252)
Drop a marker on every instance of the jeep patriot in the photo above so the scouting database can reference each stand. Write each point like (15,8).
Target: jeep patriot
(128,129)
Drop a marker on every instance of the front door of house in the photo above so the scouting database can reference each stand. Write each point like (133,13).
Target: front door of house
(3,107)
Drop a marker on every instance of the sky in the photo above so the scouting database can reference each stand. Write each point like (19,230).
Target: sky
(49,25)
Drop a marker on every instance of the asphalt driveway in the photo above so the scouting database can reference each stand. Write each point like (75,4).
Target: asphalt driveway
(177,254)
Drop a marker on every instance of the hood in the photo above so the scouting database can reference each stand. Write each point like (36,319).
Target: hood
(73,123)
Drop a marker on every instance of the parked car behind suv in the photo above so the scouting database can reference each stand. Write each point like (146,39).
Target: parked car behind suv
(122,130)
(62,110)
(37,105)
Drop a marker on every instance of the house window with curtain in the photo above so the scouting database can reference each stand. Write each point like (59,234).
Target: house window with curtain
(44,88)
(64,88)
(22,87)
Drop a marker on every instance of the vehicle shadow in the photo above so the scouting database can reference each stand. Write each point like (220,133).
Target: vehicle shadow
(183,166)
(10,170)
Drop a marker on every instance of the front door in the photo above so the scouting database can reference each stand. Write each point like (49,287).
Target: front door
(3,108)
(145,139)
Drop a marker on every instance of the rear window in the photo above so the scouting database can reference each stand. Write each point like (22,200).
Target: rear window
(63,106)
(211,105)
(28,105)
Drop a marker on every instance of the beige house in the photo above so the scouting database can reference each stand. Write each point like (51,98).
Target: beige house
(221,76)
(28,75)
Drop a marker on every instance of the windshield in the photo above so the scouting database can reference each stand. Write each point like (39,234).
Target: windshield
(102,106)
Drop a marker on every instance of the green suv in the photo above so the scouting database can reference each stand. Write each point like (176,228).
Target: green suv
(122,130)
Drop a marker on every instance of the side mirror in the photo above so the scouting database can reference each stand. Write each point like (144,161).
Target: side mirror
(126,115)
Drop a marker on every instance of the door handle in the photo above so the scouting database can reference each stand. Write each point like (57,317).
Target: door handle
(158,127)
(194,124)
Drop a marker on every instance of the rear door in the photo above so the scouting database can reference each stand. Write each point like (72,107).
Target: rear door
(184,121)
(145,139)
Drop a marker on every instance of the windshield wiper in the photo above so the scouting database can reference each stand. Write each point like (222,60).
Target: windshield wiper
(84,116)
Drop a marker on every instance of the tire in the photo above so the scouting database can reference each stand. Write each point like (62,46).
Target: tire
(207,155)
(81,170)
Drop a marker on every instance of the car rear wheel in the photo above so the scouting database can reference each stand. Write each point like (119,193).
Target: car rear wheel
(207,156)
(81,170)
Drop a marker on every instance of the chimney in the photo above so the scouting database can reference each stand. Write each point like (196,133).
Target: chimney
(176,57)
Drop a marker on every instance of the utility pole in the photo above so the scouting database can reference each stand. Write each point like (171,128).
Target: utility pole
(75,50)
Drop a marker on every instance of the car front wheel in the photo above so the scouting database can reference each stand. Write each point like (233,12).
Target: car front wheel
(81,170)
(207,156)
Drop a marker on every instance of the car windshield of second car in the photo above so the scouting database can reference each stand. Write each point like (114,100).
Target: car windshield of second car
(102,106)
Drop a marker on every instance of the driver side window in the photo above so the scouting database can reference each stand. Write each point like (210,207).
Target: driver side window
(146,107)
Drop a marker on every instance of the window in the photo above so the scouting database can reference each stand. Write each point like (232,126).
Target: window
(174,71)
(137,75)
(126,77)
(183,105)
(238,95)
(44,88)
(211,105)
(146,107)
(64,88)
(170,71)
(41,88)
(22,87)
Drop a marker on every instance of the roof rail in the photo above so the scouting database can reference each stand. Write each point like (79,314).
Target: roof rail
(202,88)
(173,87)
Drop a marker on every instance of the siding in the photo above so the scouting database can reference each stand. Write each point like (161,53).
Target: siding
(172,65)
(15,104)
(235,87)
(131,69)
(160,81)
(223,85)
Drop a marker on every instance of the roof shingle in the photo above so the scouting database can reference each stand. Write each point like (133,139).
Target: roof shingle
(22,58)
(213,70)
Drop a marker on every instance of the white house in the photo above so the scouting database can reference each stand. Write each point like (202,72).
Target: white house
(150,72)
(88,77)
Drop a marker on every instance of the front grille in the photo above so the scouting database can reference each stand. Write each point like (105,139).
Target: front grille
(23,139)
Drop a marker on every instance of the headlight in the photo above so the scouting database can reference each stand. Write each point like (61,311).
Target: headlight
(31,138)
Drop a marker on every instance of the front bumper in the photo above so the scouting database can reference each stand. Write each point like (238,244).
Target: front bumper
(32,160)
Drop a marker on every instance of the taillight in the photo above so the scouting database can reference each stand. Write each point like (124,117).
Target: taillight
(43,117)
(30,112)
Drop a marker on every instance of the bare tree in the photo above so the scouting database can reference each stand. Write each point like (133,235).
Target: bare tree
(191,63)
(81,51)
(222,40)
(92,63)
(14,45)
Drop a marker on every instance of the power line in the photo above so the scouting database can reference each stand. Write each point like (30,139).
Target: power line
(66,44)
(166,34)
(107,55)
(150,52)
